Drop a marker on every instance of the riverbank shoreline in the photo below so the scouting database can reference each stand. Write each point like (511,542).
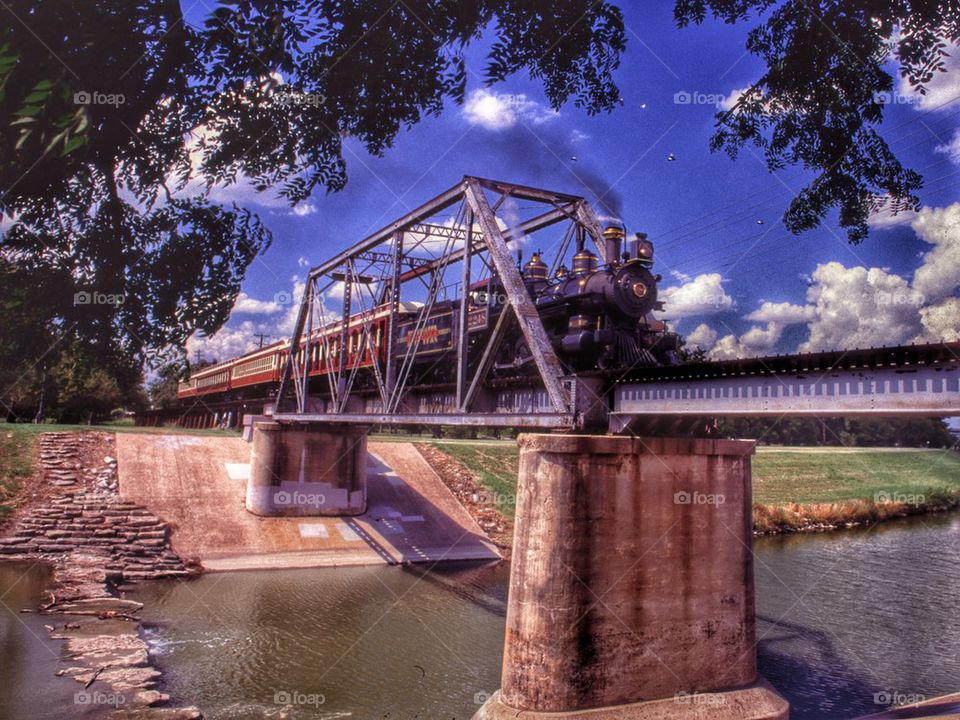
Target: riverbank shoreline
(486,499)
(850,514)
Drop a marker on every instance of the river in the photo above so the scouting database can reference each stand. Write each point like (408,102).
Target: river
(847,621)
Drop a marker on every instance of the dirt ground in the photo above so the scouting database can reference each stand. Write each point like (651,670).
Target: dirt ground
(197,484)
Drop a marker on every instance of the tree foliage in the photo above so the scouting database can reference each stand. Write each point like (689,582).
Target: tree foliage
(821,97)
(117,118)
(849,432)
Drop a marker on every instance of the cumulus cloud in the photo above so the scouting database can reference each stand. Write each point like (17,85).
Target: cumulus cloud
(860,307)
(939,272)
(237,338)
(703,295)
(498,111)
(226,343)
(941,323)
(851,307)
(755,342)
(783,313)
(703,337)
(251,306)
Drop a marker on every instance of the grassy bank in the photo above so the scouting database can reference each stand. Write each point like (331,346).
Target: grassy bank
(793,488)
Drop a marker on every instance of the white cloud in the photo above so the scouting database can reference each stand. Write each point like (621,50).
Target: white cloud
(727,348)
(951,148)
(783,313)
(303,209)
(499,111)
(228,342)
(884,219)
(578,136)
(703,337)
(941,323)
(251,306)
(858,307)
(704,295)
(755,342)
(233,339)
(730,100)
(939,273)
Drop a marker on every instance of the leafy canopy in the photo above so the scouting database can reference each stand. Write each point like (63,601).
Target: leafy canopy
(116,118)
(822,95)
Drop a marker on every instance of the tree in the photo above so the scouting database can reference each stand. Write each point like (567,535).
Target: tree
(96,100)
(821,98)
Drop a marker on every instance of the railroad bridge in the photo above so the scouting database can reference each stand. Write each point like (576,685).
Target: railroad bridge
(631,592)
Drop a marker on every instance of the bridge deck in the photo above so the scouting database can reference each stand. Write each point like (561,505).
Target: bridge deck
(908,381)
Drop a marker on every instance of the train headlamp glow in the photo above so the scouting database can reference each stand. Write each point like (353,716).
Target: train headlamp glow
(640,289)
(645,249)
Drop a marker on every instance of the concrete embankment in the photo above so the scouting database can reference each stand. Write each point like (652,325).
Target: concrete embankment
(198,485)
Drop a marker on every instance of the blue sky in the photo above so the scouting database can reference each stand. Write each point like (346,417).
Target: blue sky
(734,280)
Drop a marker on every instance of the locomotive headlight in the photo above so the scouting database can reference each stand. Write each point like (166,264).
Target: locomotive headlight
(645,249)
(640,289)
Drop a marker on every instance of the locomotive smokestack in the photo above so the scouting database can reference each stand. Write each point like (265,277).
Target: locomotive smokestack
(612,239)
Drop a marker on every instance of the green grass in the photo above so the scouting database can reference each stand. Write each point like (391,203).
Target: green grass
(818,475)
(16,463)
(780,476)
(494,463)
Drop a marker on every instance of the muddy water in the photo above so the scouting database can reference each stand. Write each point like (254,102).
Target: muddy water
(28,659)
(847,621)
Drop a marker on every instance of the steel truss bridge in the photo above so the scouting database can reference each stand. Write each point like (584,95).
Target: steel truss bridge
(468,233)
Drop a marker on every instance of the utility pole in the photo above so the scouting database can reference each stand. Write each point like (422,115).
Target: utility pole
(197,362)
(260,338)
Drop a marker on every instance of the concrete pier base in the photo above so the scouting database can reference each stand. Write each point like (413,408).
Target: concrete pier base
(756,702)
(631,588)
(308,470)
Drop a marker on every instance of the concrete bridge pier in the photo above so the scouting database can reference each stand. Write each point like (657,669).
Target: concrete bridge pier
(307,469)
(631,588)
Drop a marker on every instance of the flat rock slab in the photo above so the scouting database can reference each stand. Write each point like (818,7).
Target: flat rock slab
(192,483)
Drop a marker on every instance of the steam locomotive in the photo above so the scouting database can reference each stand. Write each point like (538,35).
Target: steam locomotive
(599,320)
